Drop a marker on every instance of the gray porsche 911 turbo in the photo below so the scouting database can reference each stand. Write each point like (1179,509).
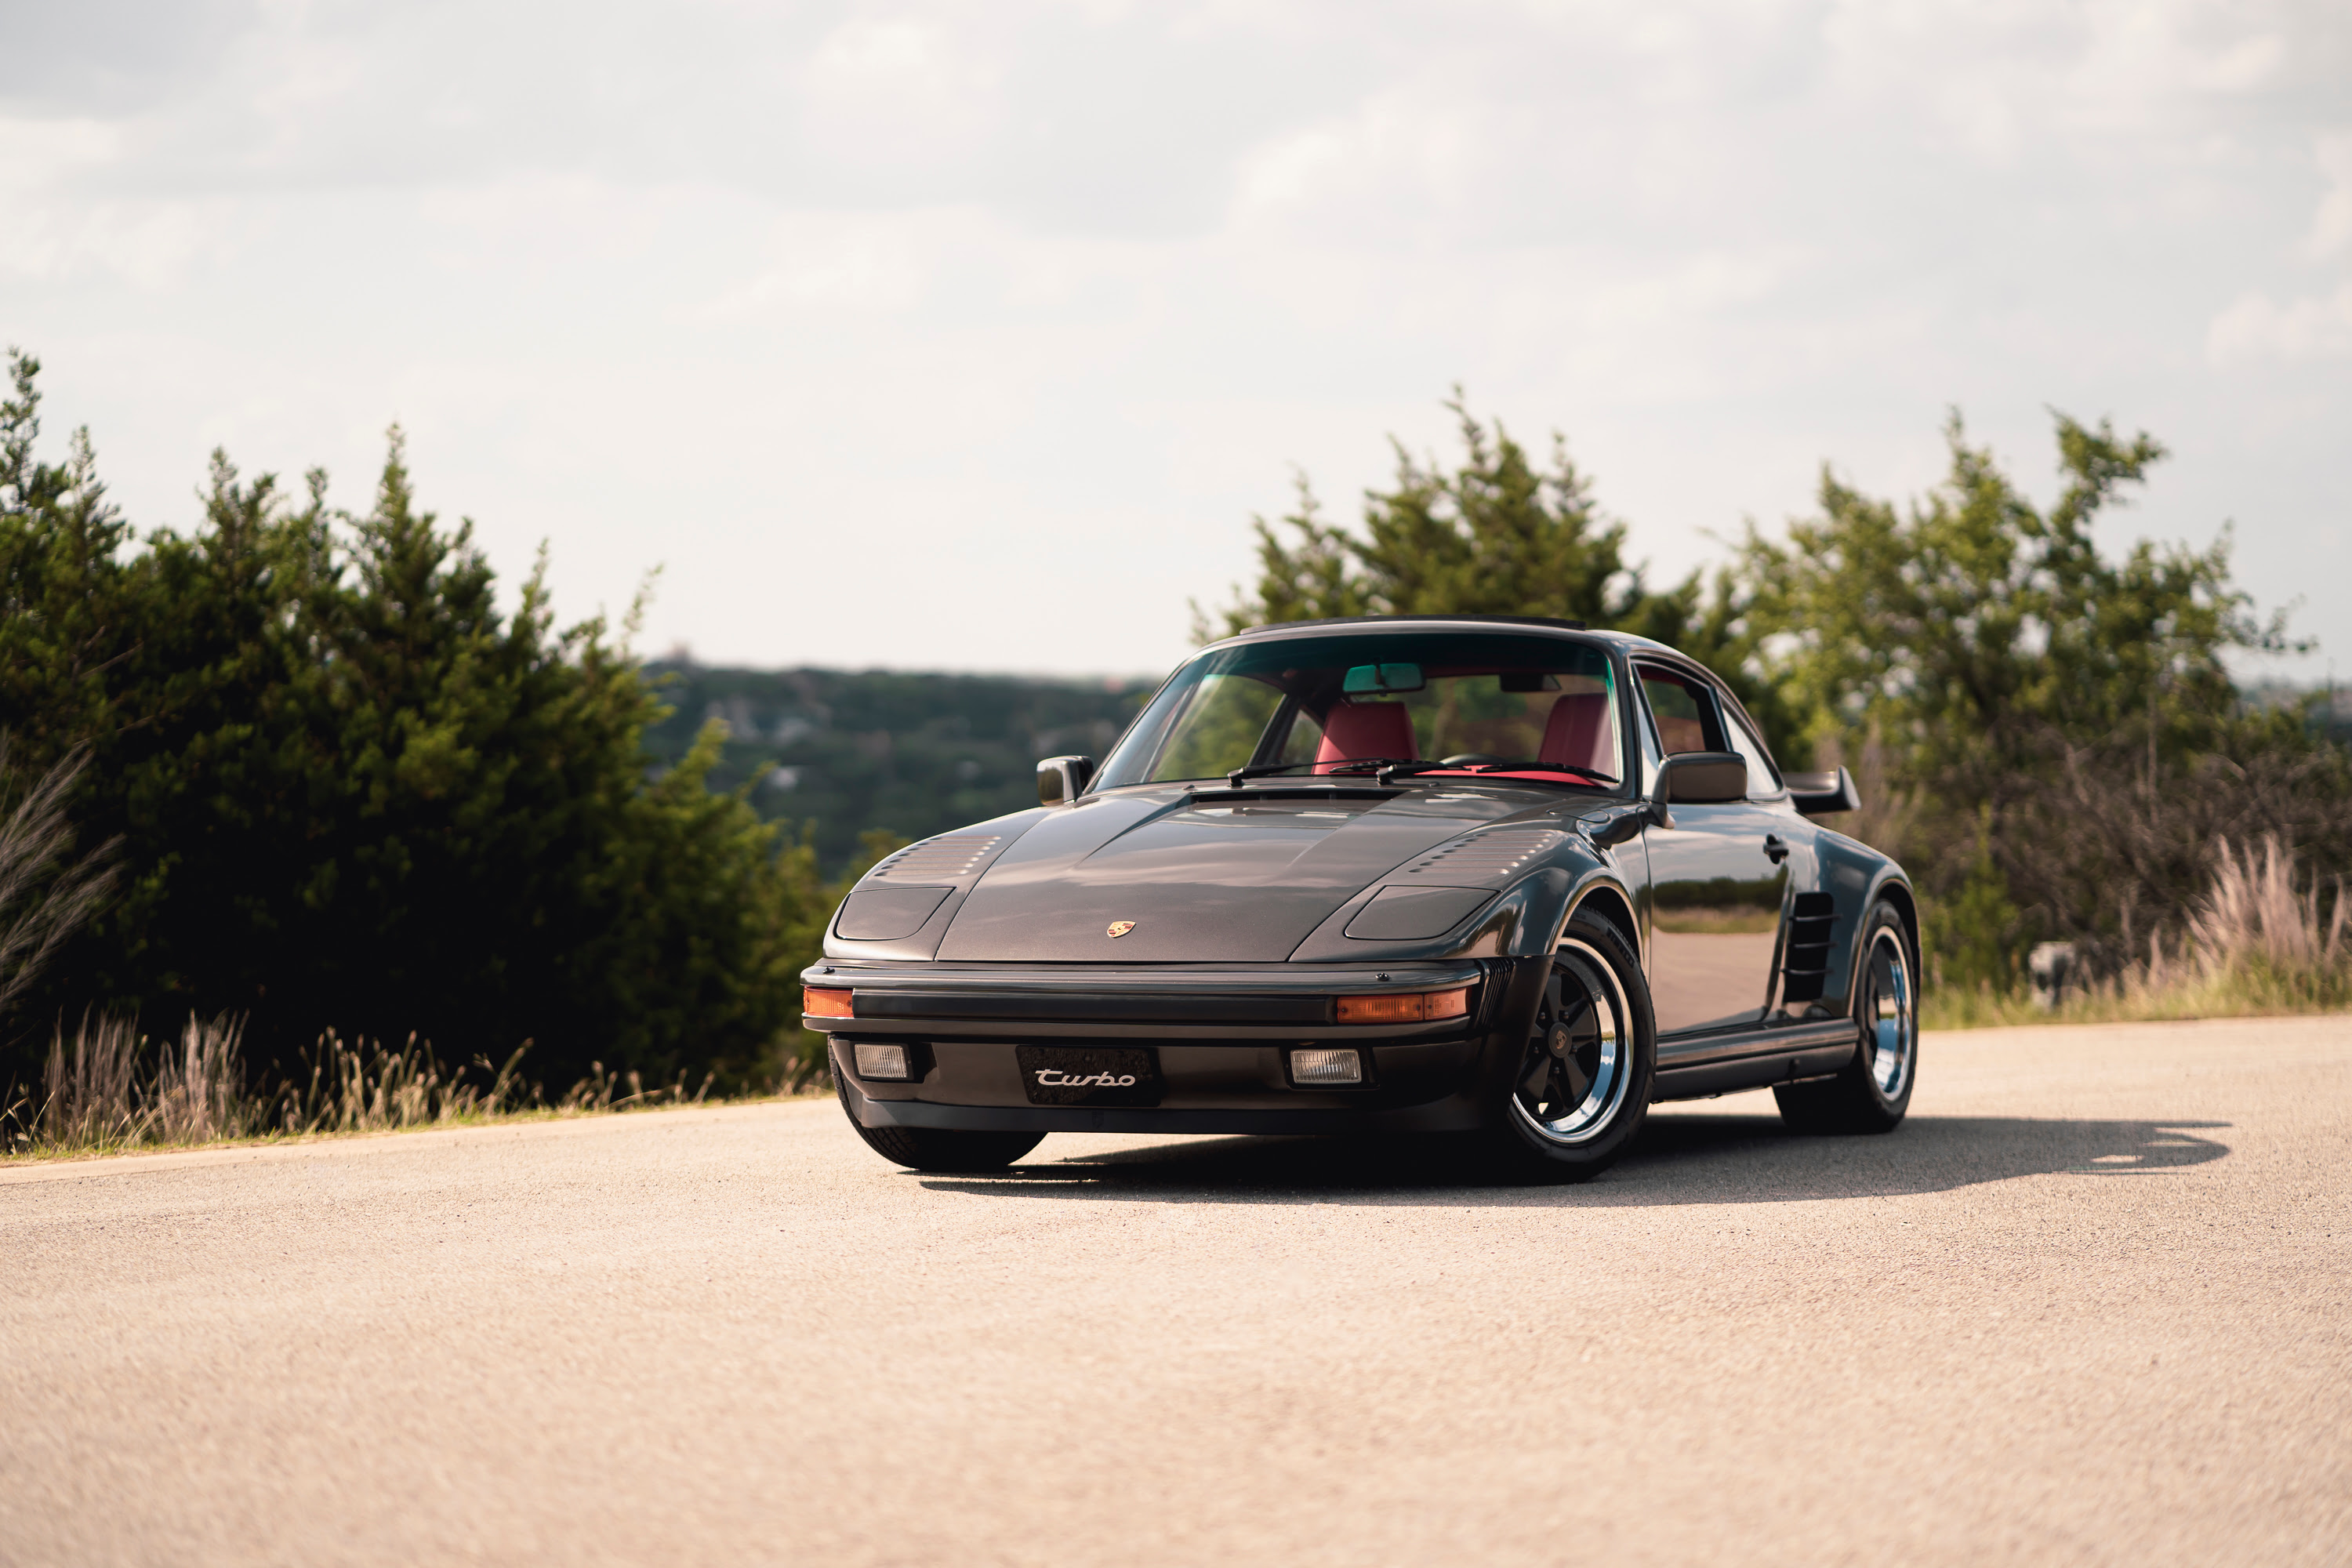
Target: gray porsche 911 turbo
(1502,878)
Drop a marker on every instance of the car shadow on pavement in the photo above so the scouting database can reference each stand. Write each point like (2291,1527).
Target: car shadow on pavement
(1680,1159)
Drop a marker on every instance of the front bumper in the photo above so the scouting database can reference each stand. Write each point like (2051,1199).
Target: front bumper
(1221,1036)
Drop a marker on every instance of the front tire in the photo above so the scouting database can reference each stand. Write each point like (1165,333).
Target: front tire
(1874,1092)
(1582,1088)
(944,1148)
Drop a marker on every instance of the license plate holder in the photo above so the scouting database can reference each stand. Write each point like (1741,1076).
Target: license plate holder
(1090,1075)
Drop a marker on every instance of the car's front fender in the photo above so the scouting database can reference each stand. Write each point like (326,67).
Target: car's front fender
(1524,920)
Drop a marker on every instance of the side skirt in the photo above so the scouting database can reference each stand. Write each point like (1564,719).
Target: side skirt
(1765,1057)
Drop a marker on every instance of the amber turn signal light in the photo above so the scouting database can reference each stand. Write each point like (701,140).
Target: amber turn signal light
(819,1004)
(1406,1007)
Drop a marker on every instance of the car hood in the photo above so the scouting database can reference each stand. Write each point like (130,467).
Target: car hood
(1204,879)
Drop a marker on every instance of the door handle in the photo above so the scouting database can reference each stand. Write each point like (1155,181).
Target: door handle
(1775,850)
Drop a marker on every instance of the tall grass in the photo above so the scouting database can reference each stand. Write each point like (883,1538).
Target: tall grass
(107,1092)
(2253,943)
(45,891)
(2252,921)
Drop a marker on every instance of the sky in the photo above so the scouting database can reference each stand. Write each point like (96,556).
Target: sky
(971,336)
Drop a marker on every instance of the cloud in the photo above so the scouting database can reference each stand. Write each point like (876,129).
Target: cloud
(860,262)
(38,153)
(2307,327)
(1044,296)
(2310,328)
(2331,225)
(896,93)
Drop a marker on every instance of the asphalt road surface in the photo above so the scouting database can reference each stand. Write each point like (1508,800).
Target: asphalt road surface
(2089,1305)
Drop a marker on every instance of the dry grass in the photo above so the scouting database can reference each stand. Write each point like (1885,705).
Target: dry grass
(111,1091)
(98,1098)
(45,891)
(2128,1002)
(2260,941)
(2256,945)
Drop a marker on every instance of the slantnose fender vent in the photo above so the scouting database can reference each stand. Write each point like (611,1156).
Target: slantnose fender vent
(899,895)
(937,859)
(1485,857)
(1807,963)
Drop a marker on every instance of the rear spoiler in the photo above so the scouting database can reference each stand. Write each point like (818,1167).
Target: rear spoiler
(1823,794)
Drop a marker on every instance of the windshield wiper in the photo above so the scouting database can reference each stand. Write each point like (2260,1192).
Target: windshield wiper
(1406,770)
(1337,764)
(1595,774)
(1401,767)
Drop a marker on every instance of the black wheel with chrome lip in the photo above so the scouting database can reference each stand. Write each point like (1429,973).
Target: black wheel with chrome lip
(1875,1091)
(1583,1085)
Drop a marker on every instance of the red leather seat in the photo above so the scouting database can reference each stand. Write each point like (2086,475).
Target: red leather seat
(1578,734)
(1366,729)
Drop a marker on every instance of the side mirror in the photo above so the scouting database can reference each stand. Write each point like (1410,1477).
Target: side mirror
(1822,794)
(1703,778)
(1059,779)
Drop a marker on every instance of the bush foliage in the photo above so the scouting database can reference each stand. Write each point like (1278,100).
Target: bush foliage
(2049,738)
(347,792)
(330,787)
(1497,535)
(2056,742)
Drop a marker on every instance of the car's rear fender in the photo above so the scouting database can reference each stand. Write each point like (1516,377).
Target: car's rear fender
(1858,877)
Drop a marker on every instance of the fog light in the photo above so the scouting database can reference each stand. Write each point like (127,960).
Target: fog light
(1405,1008)
(882,1061)
(819,1003)
(1320,1066)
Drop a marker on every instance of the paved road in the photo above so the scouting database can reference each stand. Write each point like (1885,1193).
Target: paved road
(2089,1305)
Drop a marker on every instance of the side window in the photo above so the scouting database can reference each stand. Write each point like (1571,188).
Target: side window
(1684,712)
(1762,779)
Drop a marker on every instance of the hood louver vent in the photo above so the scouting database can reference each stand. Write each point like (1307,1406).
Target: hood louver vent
(937,859)
(1486,857)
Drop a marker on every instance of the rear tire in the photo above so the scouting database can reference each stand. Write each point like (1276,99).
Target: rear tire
(1875,1091)
(1582,1090)
(944,1148)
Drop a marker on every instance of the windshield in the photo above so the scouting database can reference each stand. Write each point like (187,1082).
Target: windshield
(1457,704)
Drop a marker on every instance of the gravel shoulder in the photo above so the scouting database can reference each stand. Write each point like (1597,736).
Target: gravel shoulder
(2089,1304)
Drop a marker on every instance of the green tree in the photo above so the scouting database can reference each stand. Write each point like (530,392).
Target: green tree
(2050,736)
(1496,535)
(2062,726)
(1972,625)
(351,793)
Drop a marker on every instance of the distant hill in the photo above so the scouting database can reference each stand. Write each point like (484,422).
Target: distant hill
(847,750)
(2326,709)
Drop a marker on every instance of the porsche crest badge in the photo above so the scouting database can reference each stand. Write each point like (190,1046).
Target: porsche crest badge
(1121,928)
